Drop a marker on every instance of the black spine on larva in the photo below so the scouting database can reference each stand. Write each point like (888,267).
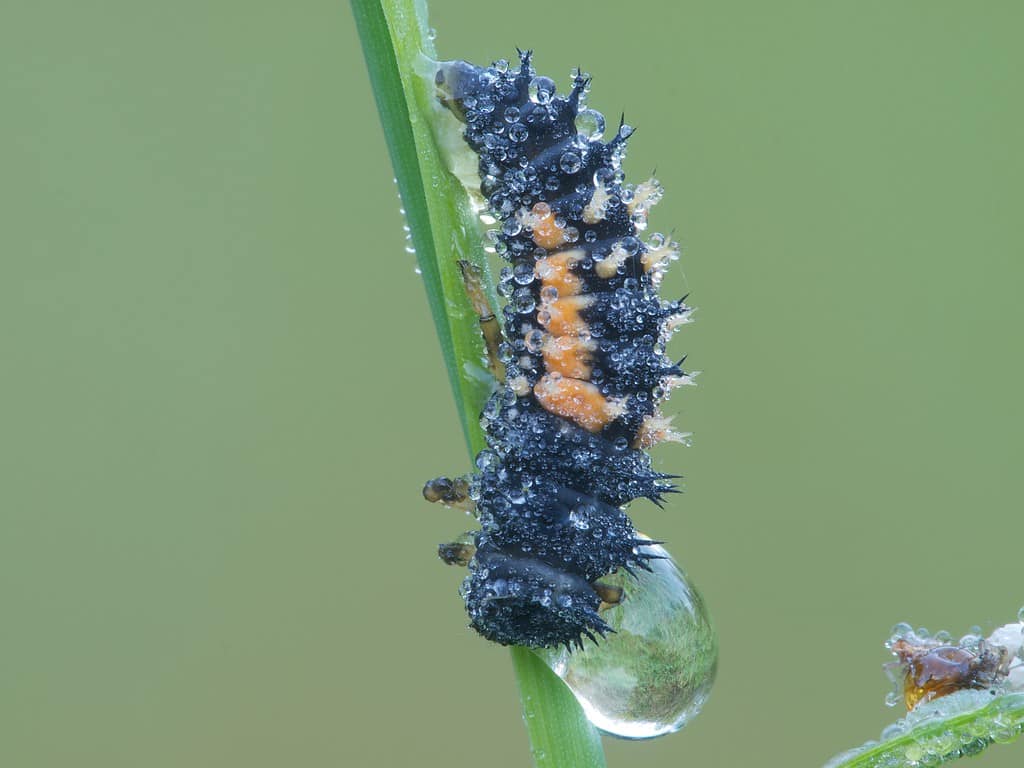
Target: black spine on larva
(549,491)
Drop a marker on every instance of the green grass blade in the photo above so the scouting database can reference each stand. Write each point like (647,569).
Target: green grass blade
(962,732)
(560,734)
(444,228)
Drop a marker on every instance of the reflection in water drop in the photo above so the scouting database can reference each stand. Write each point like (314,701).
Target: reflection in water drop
(589,124)
(654,674)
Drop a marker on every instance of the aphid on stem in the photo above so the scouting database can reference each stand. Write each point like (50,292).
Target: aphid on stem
(930,667)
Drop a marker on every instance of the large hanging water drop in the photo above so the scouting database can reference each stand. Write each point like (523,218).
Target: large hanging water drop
(654,674)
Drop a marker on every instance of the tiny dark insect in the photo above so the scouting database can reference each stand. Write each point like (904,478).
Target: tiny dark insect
(933,671)
(579,360)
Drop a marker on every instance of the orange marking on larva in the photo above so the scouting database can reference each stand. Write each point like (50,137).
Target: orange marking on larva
(609,267)
(555,271)
(562,316)
(578,401)
(660,251)
(597,208)
(546,232)
(569,356)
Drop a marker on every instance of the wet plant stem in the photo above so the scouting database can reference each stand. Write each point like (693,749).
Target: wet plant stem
(941,740)
(444,228)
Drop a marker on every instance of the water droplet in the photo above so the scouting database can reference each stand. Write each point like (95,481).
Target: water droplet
(590,124)
(570,162)
(522,273)
(534,340)
(518,133)
(522,301)
(654,674)
(893,730)
(541,90)
(1006,734)
(914,753)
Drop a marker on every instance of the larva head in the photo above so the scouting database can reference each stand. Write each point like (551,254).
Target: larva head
(457,82)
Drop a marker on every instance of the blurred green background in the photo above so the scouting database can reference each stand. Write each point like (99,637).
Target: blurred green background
(220,389)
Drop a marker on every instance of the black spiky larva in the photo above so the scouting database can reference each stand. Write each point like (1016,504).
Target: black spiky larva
(583,360)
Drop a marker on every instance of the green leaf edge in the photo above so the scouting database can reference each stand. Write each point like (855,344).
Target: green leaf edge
(1000,721)
(443,228)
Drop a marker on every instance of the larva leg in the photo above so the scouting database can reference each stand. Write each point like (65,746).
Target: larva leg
(458,552)
(452,492)
(610,594)
(489,325)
